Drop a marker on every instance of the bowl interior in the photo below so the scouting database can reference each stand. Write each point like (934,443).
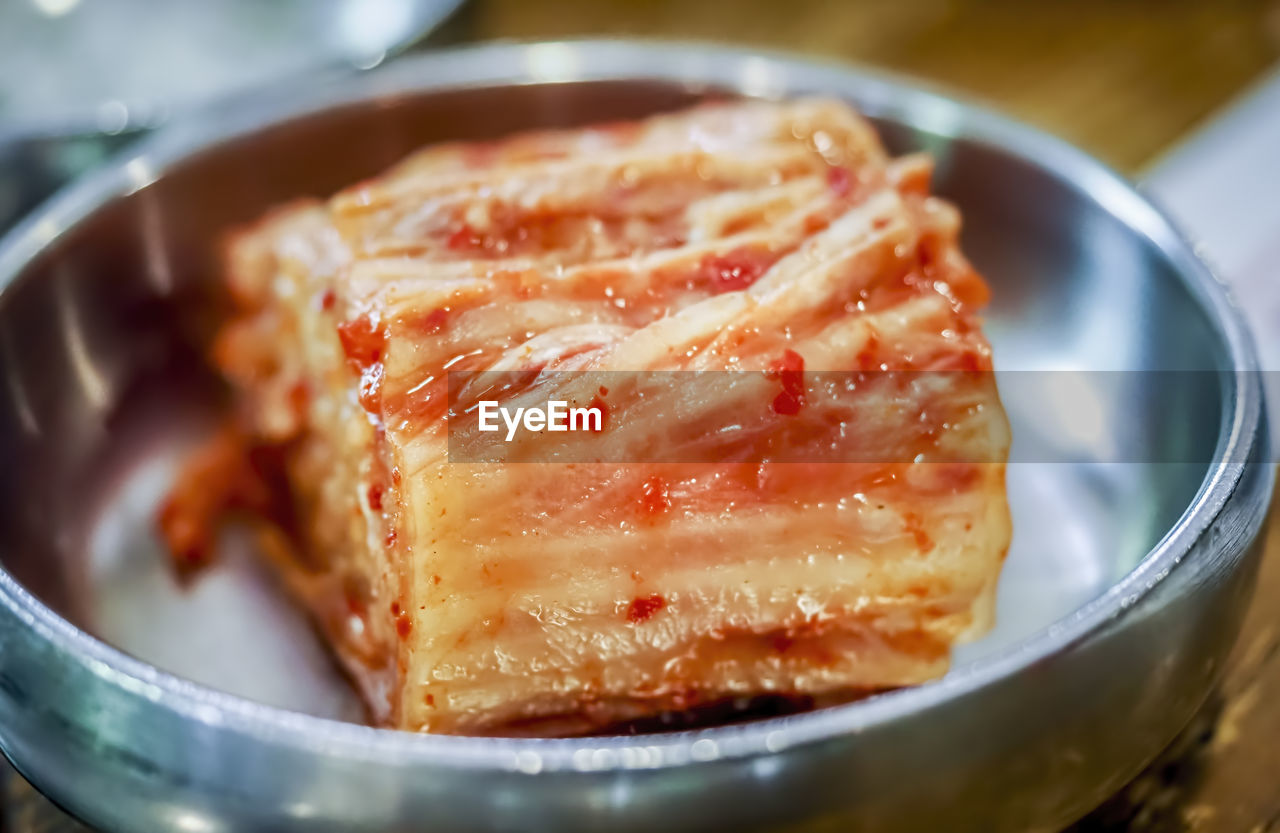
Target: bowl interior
(104,388)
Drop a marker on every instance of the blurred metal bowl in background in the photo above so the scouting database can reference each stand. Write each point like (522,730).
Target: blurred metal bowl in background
(1123,591)
(79,79)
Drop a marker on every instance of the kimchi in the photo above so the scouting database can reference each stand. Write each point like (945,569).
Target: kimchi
(808,503)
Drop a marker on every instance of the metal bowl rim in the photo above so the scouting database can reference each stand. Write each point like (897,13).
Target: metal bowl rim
(693,65)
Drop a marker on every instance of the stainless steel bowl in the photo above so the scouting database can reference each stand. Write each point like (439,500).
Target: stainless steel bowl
(1124,588)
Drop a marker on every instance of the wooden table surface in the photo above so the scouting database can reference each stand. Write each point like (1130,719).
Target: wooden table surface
(1124,80)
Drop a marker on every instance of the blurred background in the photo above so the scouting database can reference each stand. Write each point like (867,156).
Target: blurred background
(1122,78)
(1182,95)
